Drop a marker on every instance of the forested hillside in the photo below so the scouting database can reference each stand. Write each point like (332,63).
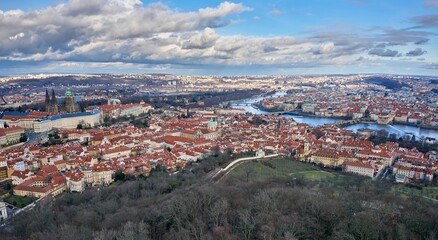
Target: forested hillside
(188,206)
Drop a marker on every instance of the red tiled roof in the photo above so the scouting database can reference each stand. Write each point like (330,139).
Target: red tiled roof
(358,164)
(115,150)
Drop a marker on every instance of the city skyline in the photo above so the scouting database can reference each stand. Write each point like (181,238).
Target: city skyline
(219,37)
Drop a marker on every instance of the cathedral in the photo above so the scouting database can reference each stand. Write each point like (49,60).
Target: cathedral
(69,105)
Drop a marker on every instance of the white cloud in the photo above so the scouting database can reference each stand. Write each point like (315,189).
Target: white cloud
(126,31)
(12,13)
(202,40)
(19,35)
(325,48)
(224,9)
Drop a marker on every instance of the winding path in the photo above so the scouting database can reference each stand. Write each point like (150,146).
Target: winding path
(235,163)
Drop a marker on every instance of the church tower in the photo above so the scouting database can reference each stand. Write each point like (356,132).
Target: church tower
(70,104)
(212,124)
(54,102)
(47,102)
(51,104)
(304,152)
(307,146)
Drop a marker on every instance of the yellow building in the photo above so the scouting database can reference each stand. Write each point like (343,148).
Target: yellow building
(331,158)
(3,173)
(116,152)
(11,135)
(39,187)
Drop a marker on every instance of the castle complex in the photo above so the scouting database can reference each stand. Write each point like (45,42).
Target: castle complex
(69,106)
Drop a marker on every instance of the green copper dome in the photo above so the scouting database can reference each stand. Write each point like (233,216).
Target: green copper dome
(68,92)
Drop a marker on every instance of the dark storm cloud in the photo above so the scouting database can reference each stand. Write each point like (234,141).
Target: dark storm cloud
(270,49)
(416,52)
(421,42)
(395,37)
(381,52)
(426,21)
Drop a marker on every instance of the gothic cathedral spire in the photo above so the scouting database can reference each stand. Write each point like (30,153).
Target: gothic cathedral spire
(47,97)
(51,102)
(54,102)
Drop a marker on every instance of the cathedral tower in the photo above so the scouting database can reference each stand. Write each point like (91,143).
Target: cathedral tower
(54,102)
(51,103)
(47,102)
(70,104)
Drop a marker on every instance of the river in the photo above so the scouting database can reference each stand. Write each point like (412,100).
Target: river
(398,129)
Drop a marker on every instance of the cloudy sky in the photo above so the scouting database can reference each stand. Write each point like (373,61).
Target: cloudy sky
(219,37)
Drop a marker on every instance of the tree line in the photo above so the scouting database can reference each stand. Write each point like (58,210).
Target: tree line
(187,206)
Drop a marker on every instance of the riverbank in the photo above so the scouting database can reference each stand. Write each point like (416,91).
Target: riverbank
(238,101)
(416,125)
(301,113)
(400,129)
(293,112)
(429,127)
(367,120)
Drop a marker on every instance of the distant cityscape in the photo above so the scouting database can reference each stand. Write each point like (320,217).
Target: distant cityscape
(92,136)
(218,120)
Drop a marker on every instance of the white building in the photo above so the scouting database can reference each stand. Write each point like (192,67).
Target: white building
(309,107)
(75,182)
(230,111)
(260,153)
(132,110)
(3,163)
(116,110)
(88,175)
(102,175)
(3,211)
(69,121)
(360,168)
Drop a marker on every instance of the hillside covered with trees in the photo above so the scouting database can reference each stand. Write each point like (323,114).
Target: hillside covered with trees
(187,205)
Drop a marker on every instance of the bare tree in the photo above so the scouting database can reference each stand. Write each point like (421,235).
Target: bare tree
(218,211)
(247,223)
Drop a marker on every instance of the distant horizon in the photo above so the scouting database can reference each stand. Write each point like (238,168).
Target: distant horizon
(219,37)
(255,75)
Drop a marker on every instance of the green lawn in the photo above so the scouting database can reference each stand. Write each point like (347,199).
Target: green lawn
(282,168)
(427,192)
(262,170)
(19,201)
(314,175)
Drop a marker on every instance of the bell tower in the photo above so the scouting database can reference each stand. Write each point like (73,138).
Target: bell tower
(47,101)
(51,103)
(307,146)
(54,102)
(70,104)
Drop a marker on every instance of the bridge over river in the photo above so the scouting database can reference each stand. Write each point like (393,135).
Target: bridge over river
(354,125)
(346,123)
